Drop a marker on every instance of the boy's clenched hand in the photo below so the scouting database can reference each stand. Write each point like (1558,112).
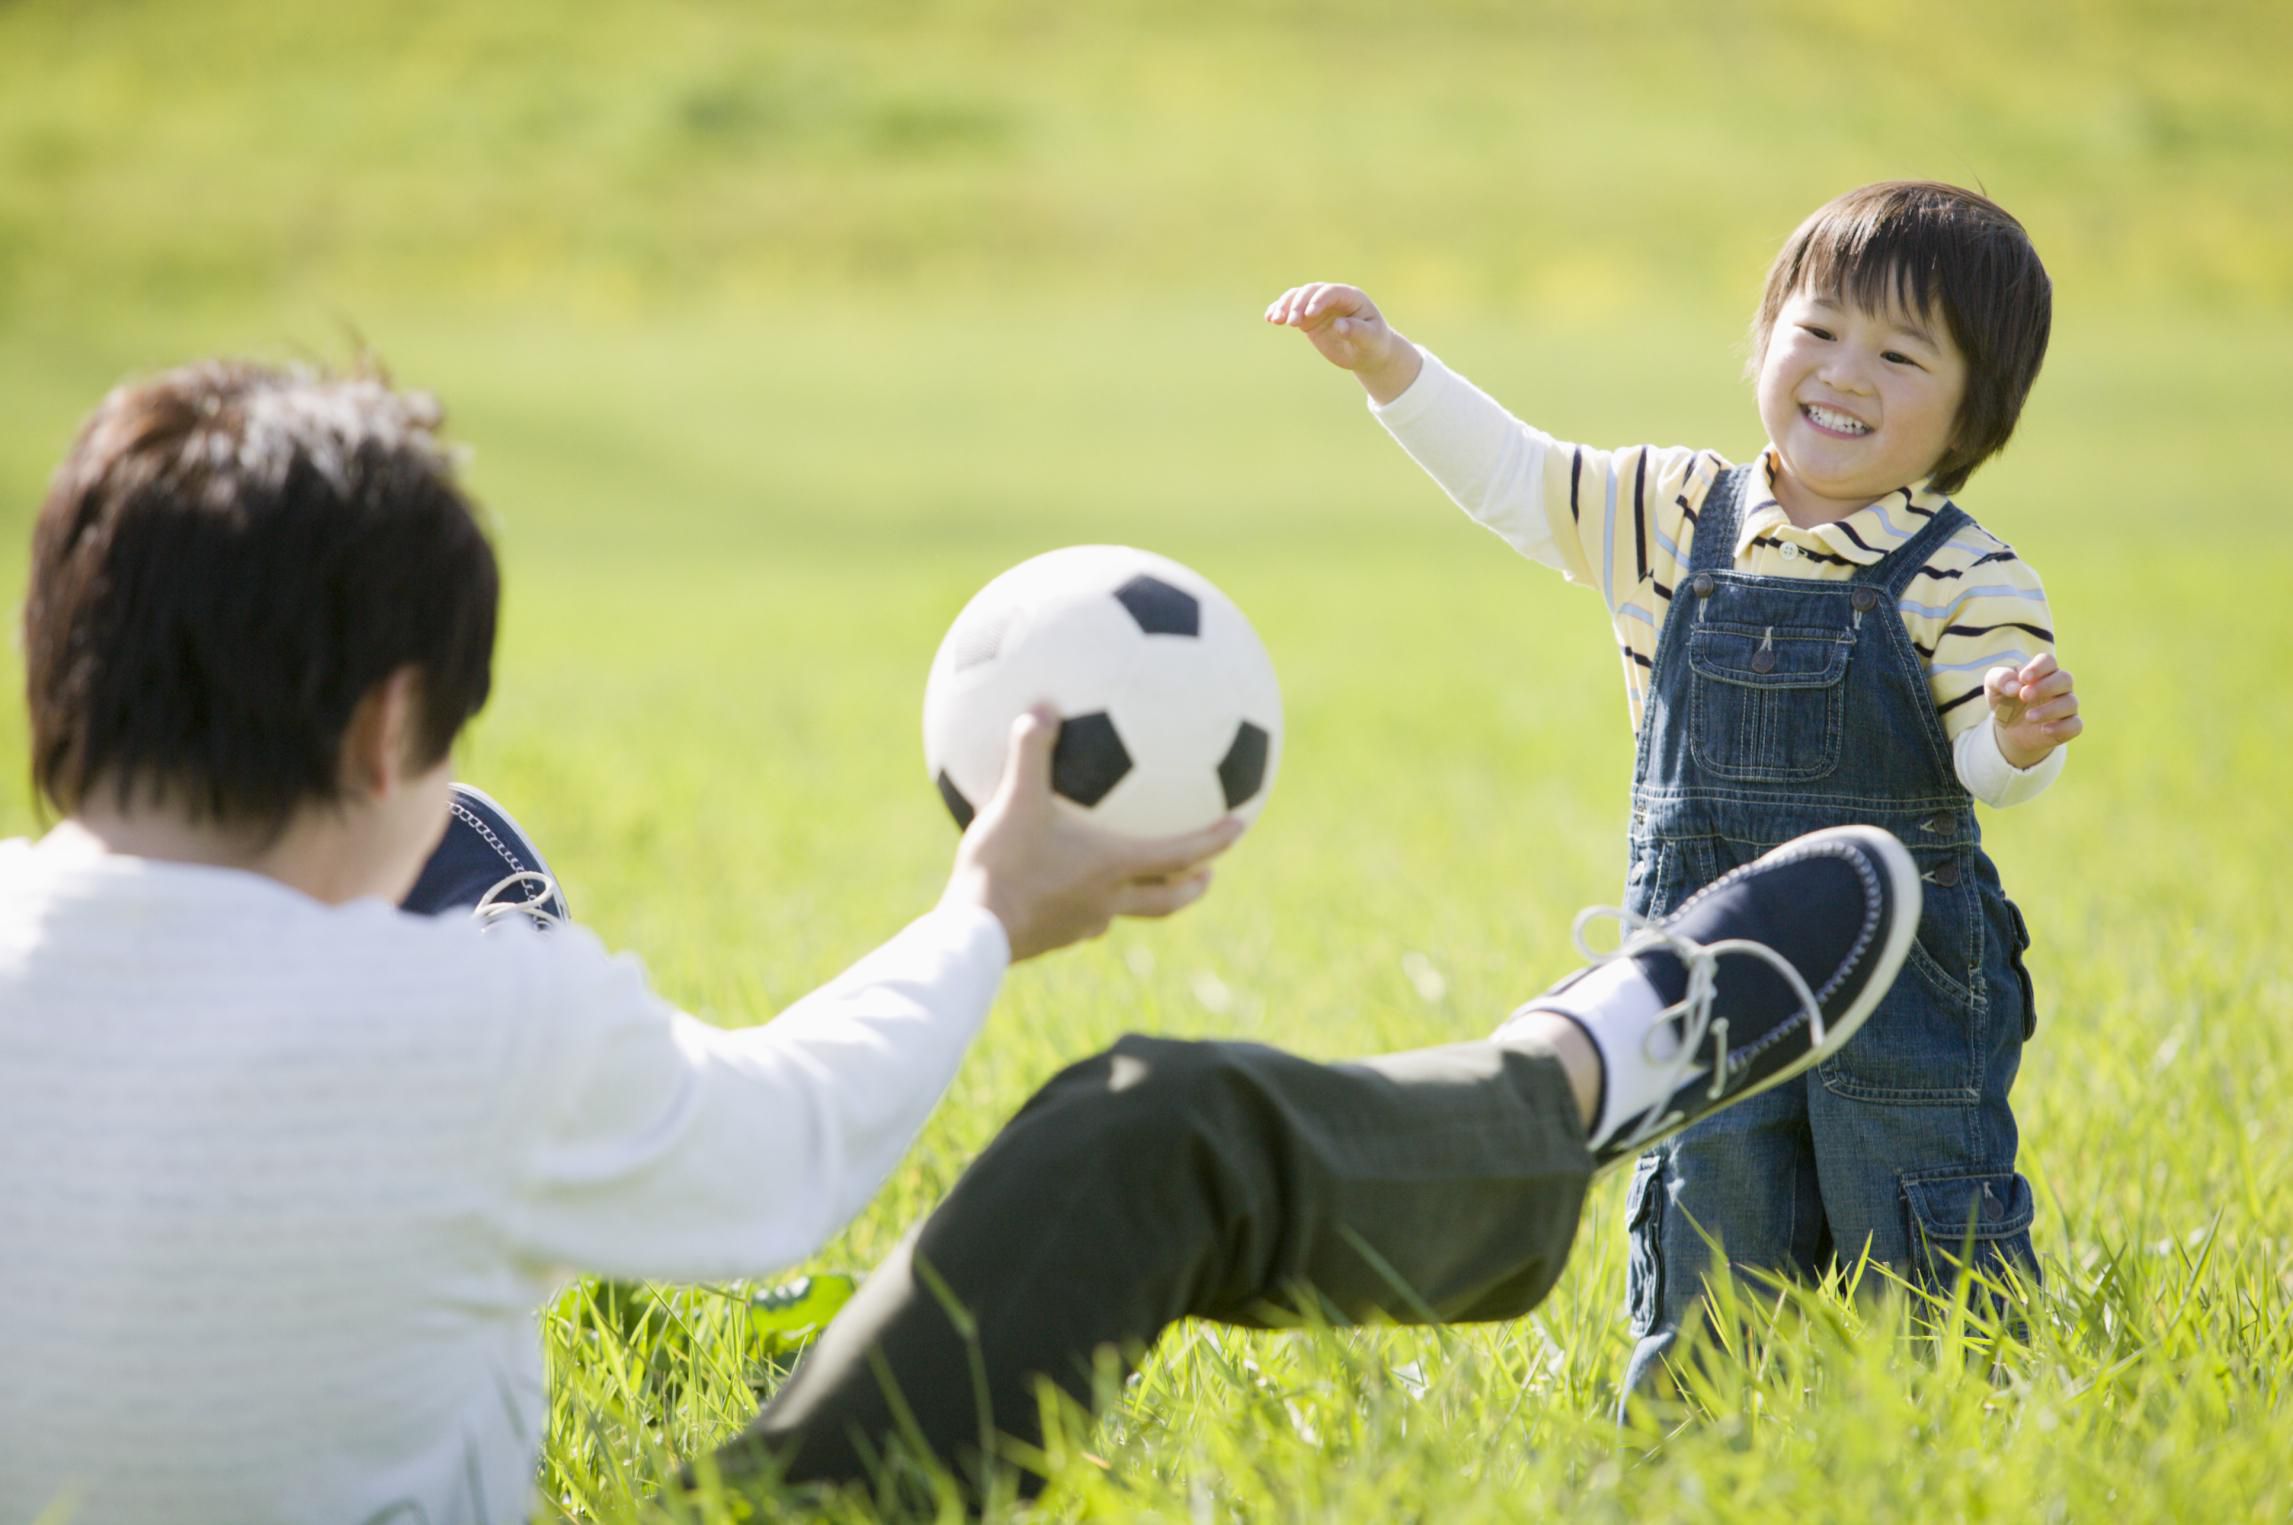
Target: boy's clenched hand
(2033,707)
(1351,333)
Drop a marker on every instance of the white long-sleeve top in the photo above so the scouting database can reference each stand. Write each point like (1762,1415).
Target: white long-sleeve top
(282,1184)
(1622,521)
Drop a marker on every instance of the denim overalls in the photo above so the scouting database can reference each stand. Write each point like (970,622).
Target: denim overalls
(1778,706)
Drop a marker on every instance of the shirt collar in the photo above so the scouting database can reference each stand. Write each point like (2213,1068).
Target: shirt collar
(1863,537)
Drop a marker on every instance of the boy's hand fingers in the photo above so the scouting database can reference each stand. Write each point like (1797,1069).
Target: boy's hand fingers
(2052,711)
(2038,667)
(2000,685)
(2062,730)
(2053,686)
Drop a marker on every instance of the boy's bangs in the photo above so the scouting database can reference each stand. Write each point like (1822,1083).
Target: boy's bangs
(1878,267)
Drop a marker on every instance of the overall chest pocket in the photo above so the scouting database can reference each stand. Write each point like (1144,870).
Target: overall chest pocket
(1767,703)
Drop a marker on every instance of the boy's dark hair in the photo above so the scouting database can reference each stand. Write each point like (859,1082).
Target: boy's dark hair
(229,559)
(1926,244)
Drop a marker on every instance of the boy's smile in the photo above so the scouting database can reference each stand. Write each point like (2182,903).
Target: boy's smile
(1857,403)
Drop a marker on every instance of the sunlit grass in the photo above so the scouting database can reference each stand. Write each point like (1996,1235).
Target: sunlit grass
(775,334)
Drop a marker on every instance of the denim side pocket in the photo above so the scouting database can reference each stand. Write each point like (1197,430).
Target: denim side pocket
(1644,1271)
(2015,951)
(1978,1221)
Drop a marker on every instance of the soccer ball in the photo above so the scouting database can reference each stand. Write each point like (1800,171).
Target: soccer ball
(1169,713)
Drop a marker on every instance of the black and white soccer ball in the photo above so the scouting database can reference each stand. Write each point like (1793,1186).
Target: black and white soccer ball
(1169,713)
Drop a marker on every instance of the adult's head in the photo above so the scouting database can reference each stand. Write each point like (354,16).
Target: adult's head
(258,596)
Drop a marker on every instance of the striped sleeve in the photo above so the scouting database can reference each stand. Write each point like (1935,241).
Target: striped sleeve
(1974,606)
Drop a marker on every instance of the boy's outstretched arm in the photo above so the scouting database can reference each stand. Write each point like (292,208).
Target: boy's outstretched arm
(1609,519)
(1345,325)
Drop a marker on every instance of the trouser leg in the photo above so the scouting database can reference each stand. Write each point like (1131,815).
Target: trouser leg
(1744,1179)
(1165,1179)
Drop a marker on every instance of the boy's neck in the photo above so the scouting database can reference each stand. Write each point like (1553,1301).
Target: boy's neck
(1803,506)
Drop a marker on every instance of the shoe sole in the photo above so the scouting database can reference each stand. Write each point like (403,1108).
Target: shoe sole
(1903,877)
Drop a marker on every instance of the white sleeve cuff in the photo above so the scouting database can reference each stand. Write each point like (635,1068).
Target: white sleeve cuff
(1989,777)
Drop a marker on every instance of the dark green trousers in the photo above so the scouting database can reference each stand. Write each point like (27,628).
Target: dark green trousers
(1162,1180)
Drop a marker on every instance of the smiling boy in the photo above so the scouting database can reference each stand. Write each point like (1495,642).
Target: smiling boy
(1897,338)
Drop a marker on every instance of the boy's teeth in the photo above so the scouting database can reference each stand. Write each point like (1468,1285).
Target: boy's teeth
(1839,421)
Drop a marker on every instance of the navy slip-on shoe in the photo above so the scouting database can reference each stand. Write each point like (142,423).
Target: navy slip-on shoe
(486,866)
(1751,980)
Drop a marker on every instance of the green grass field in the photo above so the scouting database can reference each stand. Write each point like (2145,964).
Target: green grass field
(776,332)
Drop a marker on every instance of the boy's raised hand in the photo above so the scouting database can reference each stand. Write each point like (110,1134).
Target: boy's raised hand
(1351,333)
(2034,708)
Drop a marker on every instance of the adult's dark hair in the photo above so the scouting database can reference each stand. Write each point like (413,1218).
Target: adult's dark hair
(1925,244)
(229,559)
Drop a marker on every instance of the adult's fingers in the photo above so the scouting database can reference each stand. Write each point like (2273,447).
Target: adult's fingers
(1027,757)
(1163,897)
(1171,857)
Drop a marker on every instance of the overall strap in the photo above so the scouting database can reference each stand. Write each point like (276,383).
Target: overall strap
(1714,548)
(1895,570)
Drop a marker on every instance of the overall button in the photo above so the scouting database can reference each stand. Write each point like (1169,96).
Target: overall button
(1702,585)
(1936,824)
(1946,875)
(1864,600)
(1763,660)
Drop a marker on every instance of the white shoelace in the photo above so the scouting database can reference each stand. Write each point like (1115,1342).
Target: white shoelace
(536,887)
(1694,1008)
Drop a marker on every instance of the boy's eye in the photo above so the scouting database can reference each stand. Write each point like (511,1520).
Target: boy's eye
(1820,333)
(1899,358)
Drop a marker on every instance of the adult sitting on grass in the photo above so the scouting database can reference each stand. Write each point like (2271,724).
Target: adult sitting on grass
(285,1171)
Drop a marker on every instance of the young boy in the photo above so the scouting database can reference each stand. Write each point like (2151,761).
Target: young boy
(1818,637)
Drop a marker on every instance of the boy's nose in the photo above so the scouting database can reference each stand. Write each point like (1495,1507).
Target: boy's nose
(1842,375)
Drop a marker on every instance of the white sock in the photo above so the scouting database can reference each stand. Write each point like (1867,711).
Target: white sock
(1617,1007)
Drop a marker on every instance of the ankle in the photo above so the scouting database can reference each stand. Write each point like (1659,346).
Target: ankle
(1572,1047)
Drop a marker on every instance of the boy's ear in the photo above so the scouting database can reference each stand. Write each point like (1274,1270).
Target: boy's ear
(378,743)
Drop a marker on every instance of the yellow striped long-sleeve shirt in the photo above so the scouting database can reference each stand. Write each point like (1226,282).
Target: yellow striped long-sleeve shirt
(1623,521)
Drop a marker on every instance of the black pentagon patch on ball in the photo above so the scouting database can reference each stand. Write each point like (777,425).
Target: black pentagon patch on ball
(1242,771)
(1160,608)
(1089,759)
(952,797)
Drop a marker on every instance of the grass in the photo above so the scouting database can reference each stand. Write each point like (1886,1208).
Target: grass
(776,334)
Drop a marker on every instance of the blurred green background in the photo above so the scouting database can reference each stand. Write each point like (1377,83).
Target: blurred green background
(774,331)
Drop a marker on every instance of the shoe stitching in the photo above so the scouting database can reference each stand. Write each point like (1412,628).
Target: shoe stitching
(470,819)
